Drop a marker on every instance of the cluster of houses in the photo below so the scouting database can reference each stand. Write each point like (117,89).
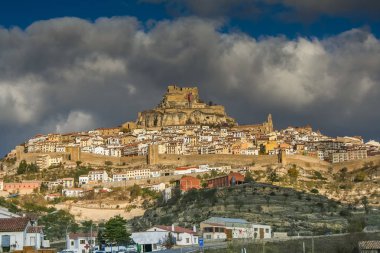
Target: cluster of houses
(156,237)
(197,139)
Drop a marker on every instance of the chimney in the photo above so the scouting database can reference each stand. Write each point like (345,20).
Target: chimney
(194,229)
(172,227)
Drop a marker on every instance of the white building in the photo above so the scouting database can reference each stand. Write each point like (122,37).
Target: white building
(80,242)
(158,187)
(83,179)
(98,175)
(131,174)
(154,238)
(17,232)
(227,228)
(183,236)
(73,192)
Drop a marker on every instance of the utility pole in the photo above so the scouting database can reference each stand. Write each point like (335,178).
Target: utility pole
(303,247)
(312,244)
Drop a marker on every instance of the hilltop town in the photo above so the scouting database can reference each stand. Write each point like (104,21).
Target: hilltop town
(142,169)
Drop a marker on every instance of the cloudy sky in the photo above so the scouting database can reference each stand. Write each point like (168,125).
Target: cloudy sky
(78,65)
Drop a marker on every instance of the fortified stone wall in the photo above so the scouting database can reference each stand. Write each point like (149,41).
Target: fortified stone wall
(182,160)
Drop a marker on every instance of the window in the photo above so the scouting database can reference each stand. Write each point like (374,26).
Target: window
(72,243)
(255,229)
(82,241)
(208,236)
(267,230)
(208,229)
(187,240)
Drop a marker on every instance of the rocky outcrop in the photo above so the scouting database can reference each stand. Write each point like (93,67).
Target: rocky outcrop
(182,106)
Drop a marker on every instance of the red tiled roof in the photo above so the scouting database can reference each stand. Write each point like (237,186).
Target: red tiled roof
(75,236)
(37,229)
(13,224)
(176,229)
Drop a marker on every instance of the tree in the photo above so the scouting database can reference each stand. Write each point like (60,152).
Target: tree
(356,224)
(169,241)
(248,177)
(293,174)
(365,203)
(57,224)
(87,225)
(343,174)
(115,230)
(135,191)
(22,167)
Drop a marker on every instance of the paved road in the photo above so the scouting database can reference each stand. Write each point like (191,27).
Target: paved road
(193,249)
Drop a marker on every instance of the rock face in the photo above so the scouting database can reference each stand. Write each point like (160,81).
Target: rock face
(182,106)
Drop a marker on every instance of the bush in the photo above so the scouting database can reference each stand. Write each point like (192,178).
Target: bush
(315,191)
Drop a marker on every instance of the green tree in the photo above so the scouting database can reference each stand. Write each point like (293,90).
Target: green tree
(22,167)
(356,224)
(169,241)
(57,224)
(87,225)
(115,230)
(293,174)
(365,203)
(248,177)
(135,191)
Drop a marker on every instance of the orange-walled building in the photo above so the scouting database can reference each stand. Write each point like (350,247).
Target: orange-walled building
(233,178)
(23,187)
(186,183)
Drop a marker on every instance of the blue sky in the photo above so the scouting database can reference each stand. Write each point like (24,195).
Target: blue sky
(269,20)
(78,65)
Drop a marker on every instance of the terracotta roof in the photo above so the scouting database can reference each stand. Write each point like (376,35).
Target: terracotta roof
(176,229)
(75,236)
(37,229)
(13,224)
(369,245)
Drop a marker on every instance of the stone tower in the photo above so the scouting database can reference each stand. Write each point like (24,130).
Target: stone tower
(152,154)
(270,123)
(282,156)
(74,153)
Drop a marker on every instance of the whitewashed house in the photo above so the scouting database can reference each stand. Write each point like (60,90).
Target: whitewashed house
(154,238)
(98,175)
(83,179)
(73,192)
(80,242)
(17,232)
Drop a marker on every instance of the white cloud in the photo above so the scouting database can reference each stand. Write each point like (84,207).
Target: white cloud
(76,121)
(112,68)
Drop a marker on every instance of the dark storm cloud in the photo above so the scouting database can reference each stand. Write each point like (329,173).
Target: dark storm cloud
(70,74)
(293,9)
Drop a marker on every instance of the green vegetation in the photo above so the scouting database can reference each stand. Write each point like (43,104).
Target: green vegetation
(115,231)
(57,230)
(25,168)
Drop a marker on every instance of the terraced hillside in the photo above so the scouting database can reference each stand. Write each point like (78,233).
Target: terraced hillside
(283,208)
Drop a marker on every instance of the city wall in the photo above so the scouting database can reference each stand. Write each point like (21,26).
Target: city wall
(182,160)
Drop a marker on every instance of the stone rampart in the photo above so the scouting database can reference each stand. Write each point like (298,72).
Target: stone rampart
(182,160)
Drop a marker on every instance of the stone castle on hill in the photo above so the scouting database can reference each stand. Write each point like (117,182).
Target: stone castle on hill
(182,106)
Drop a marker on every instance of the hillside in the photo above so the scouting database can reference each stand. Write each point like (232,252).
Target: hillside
(283,208)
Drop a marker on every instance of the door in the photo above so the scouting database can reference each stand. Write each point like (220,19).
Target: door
(229,234)
(261,233)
